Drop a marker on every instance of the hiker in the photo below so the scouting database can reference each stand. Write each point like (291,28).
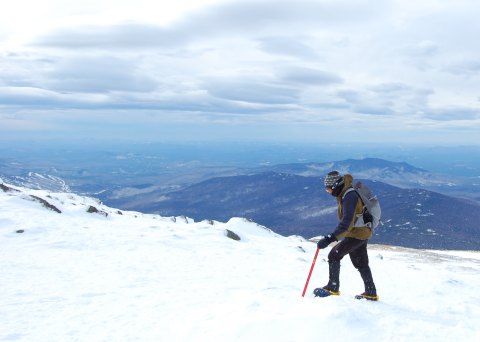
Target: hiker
(355,239)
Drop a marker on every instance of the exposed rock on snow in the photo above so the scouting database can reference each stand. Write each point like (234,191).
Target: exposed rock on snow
(138,277)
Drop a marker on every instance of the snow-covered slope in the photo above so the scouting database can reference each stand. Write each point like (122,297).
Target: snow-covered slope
(73,275)
(34,180)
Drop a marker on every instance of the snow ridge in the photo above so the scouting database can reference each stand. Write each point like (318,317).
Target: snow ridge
(114,275)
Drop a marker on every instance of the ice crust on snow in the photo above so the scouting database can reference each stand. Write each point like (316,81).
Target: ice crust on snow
(128,276)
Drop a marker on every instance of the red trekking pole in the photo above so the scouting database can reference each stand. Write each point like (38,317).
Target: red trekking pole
(309,274)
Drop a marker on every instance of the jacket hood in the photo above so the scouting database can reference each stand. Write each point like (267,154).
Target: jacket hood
(348,179)
(347,183)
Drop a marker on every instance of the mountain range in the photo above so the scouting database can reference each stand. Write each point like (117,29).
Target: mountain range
(289,199)
(298,205)
(400,174)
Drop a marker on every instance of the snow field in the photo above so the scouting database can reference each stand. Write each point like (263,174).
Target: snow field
(79,276)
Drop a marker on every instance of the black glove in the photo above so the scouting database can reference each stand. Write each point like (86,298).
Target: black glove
(323,243)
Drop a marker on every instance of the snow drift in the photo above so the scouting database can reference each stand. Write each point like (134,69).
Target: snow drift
(77,274)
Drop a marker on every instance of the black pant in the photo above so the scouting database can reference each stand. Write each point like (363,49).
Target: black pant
(357,249)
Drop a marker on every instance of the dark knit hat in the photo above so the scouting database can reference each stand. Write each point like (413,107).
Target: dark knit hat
(331,178)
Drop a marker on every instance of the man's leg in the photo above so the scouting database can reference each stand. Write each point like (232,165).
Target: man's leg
(359,258)
(337,253)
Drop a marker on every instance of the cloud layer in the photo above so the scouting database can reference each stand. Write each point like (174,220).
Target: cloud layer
(333,64)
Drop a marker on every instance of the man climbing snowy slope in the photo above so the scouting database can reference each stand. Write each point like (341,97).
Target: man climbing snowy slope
(354,238)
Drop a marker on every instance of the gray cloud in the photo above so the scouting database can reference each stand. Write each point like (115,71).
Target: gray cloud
(465,68)
(192,105)
(391,88)
(350,96)
(424,48)
(304,75)
(365,103)
(40,98)
(97,75)
(251,18)
(387,99)
(256,16)
(372,109)
(252,91)
(275,60)
(123,36)
(22,69)
(451,114)
(410,96)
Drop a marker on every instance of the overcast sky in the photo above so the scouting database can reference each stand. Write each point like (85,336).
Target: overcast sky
(277,70)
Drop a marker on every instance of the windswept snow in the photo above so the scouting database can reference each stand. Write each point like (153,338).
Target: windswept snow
(79,276)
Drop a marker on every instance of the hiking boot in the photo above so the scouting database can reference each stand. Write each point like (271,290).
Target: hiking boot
(333,276)
(374,298)
(370,289)
(324,292)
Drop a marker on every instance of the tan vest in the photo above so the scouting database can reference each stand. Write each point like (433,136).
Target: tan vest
(361,233)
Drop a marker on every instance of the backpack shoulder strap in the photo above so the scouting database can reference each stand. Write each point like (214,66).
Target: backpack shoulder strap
(346,192)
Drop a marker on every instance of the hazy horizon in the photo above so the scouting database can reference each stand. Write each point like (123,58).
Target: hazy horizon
(462,159)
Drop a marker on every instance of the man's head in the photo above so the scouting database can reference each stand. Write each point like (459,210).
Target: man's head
(333,183)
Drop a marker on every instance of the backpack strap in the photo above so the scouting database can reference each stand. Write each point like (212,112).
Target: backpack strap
(346,192)
(352,189)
